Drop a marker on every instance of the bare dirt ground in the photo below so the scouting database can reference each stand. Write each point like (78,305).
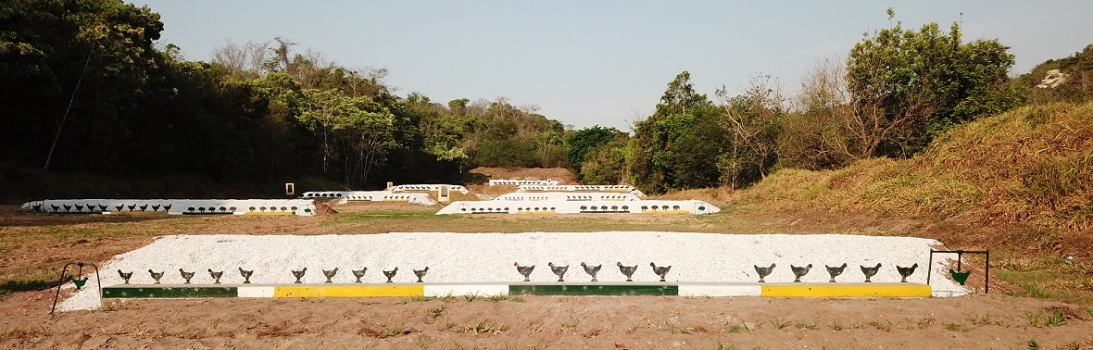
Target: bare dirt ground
(33,248)
(977,322)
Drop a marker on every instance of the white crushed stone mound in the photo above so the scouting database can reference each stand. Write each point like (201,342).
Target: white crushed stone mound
(489,257)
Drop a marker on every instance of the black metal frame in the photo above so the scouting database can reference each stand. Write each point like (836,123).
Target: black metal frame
(61,282)
(959,264)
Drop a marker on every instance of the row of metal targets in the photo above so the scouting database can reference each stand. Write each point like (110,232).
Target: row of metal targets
(591,270)
(98,208)
(215,276)
(394,197)
(93,207)
(835,271)
(213,209)
(324,194)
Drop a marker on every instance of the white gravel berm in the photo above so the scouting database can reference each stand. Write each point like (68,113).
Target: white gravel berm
(489,257)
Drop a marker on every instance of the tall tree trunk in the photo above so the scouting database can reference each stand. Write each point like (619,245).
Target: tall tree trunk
(64,117)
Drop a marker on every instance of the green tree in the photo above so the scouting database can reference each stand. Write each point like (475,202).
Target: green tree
(913,85)
(580,144)
(665,151)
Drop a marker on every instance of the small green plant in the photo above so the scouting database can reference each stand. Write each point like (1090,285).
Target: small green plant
(516,298)
(672,327)
(779,324)
(448,324)
(470,297)
(736,328)
(448,298)
(1057,318)
(570,325)
(981,320)
(477,327)
(805,325)
(1033,345)
(437,311)
(957,326)
(395,331)
(836,326)
(1035,319)
(722,346)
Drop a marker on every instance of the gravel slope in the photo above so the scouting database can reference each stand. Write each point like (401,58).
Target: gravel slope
(489,257)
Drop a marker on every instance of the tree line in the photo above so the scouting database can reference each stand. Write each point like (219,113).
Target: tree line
(88,88)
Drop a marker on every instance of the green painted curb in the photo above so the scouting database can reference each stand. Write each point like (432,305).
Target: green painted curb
(170,292)
(593,289)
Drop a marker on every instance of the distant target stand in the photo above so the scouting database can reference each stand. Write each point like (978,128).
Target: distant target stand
(962,276)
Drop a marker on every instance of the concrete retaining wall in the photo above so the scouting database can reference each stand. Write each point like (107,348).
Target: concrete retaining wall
(577,207)
(563,196)
(523,182)
(427,188)
(581,188)
(387,196)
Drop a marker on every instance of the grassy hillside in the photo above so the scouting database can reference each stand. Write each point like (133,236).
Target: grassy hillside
(1031,166)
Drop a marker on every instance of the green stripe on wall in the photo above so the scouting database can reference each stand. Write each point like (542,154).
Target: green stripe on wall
(169,292)
(593,289)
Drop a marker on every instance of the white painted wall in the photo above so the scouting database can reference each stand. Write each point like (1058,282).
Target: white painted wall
(523,182)
(302,207)
(427,188)
(579,188)
(567,196)
(387,196)
(575,207)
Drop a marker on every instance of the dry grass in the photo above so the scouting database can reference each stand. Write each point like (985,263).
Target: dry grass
(1033,165)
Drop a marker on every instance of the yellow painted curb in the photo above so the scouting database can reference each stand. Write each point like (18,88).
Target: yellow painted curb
(862,290)
(347,291)
(666,212)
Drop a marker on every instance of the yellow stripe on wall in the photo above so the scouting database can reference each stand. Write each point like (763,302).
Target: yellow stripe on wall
(347,291)
(859,290)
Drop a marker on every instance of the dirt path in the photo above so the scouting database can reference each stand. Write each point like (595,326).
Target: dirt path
(977,322)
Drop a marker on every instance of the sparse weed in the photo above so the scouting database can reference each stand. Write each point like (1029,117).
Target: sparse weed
(1057,318)
(478,327)
(957,326)
(570,325)
(836,326)
(672,327)
(805,325)
(447,298)
(981,320)
(496,298)
(437,311)
(470,297)
(1035,319)
(885,326)
(1033,345)
(779,324)
(722,346)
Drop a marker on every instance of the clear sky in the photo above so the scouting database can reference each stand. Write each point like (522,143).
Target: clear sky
(601,62)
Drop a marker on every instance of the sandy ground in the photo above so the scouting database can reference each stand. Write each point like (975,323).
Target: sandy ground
(976,322)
